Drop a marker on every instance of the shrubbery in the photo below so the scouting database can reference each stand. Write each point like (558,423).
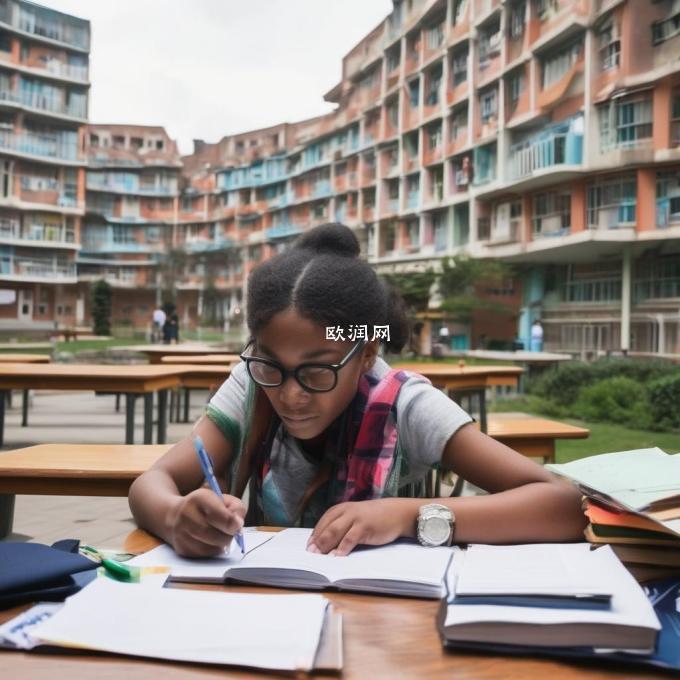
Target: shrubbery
(639,394)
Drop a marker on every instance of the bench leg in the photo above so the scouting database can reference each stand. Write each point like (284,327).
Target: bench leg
(178,403)
(483,422)
(24,408)
(173,393)
(187,404)
(6,514)
(118,403)
(162,416)
(130,418)
(148,418)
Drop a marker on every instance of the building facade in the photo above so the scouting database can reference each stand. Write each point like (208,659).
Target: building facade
(543,133)
(43,109)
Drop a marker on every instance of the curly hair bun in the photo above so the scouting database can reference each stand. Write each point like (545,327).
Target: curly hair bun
(332,238)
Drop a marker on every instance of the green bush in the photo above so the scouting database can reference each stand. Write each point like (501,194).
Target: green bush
(664,398)
(563,383)
(616,400)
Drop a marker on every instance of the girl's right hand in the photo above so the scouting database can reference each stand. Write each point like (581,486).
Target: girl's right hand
(202,525)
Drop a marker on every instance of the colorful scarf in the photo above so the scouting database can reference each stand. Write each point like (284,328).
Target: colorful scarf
(361,453)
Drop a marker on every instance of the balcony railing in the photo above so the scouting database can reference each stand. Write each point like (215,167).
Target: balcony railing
(600,290)
(413,199)
(322,189)
(282,230)
(545,151)
(45,102)
(38,145)
(612,216)
(656,289)
(31,21)
(42,269)
(130,188)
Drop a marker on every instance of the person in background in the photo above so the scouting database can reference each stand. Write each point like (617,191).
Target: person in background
(171,326)
(157,323)
(537,336)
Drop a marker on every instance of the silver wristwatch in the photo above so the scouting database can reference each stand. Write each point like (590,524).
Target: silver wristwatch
(436,524)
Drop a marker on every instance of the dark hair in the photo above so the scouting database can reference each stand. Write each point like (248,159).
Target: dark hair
(325,280)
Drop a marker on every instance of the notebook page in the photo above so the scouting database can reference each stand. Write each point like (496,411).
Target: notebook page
(535,569)
(398,561)
(210,568)
(263,631)
(629,605)
(632,478)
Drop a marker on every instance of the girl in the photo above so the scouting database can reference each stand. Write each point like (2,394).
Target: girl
(326,435)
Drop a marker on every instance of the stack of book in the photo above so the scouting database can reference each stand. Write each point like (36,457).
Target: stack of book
(632,501)
(563,600)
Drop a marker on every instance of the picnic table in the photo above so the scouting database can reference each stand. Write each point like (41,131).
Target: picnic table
(155,353)
(132,380)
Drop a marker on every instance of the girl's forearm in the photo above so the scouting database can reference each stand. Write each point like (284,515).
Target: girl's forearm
(152,498)
(535,512)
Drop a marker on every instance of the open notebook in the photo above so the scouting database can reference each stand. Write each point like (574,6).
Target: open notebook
(282,560)
(628,623)
(274,632)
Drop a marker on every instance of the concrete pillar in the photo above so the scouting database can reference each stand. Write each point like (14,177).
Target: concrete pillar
(626,289)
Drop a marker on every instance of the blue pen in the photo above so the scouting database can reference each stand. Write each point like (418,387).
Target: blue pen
(207,467)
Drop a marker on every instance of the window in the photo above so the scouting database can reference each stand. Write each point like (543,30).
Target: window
(414,93)
(434,81)
(489,45)
(434,137)
(552,213)
(555,66)
(675,119)
(393,58)
(136,142)
(159,145)
(625,122)
(393,114)
(517,20)
(434,36)
(459,8)
(437,183)
(6,42)
(118,142)
(667,28)
(609,47)
(458,123)
(94,140)
(546,9)
(488,105)
(516,85)
(667,199)
(459,66)
(612,203)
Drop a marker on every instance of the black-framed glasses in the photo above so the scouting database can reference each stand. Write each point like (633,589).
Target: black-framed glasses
(312,377)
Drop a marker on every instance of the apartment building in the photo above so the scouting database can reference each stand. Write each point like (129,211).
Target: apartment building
(545,133)
(43,109)
(132,189)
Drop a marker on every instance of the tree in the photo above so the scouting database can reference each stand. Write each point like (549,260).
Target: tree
(460,282)
(101,308)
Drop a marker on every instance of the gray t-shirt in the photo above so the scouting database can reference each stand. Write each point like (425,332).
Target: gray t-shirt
(426,420)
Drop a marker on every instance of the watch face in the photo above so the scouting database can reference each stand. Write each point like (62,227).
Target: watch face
(437,530)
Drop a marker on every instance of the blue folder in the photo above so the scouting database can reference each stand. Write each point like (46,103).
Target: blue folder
(32,571)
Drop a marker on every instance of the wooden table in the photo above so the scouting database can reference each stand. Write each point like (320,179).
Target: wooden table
(155,353)
(195,376)
(220,359)
(460,381)
(533,437)
(384,637)
(71,470)
(14,358)
(132,380)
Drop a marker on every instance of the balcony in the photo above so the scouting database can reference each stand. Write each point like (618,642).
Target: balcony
(203,245)
(545,150)
(42,23)
(413,200)
(37,269)
(613,216)
(282,230)
(36,235)
(392,205)
(44,102)
(95,183)
(33,144)
(322,189)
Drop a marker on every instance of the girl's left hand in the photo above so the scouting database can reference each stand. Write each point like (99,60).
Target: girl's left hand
(375,522)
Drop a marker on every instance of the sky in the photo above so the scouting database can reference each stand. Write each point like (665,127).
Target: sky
(207,68)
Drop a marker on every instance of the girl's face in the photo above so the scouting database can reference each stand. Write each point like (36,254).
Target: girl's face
(291,340)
